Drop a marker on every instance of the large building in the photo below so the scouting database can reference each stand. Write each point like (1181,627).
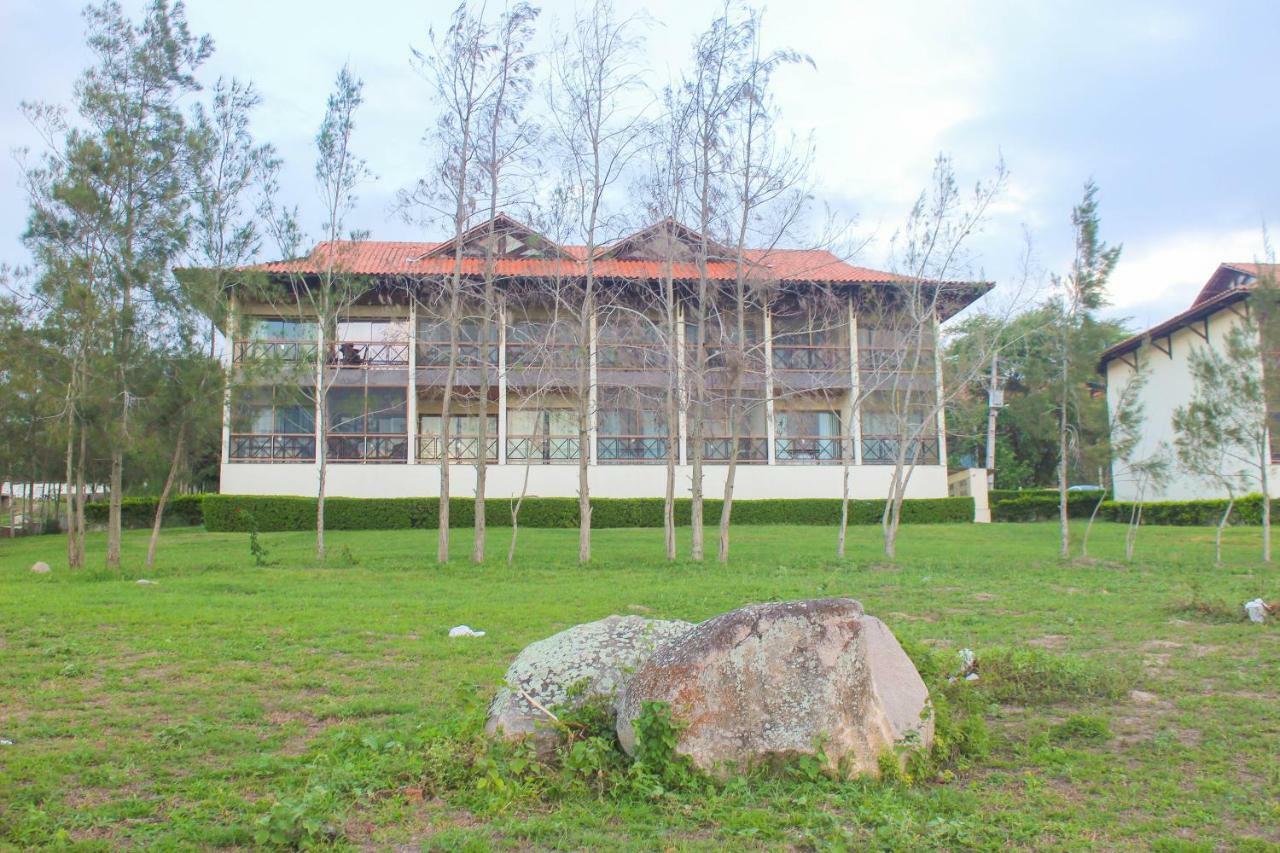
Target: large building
(1163,353)
(828,364)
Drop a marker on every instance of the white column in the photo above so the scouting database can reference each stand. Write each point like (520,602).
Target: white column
(770,429)
(502,384)
(940,397)
(411,398)
(230,362)
(855,386)
(681,393)
(593,432)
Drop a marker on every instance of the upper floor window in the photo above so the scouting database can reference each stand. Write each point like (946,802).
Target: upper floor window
(278,329)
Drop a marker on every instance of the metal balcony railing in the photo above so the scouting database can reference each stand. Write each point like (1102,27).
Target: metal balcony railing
(808,449)
(526,354)
(883,450)
(616,356)
(821,358)
(369,354)
(436,353)
(269,350)
(631,448)
(543,449)
(462,448)
(751,449)
(273,447)
(895,360)
(367,448)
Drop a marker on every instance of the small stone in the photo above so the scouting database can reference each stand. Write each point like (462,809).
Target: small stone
(41,568)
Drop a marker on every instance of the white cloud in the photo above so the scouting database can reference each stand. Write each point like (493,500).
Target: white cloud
(1175,267)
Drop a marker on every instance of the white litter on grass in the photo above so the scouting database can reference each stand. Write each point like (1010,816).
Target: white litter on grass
(145,582)
(464,631)
(1257,610)
(973,676)
(4,741)
(968,661)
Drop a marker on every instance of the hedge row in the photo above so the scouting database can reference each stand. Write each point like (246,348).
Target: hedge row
(1041,505)
(1248,510)
(244,512)
(141,511)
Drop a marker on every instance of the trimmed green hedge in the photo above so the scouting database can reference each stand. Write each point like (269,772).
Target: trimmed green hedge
(141,511)
(1248,510)
(1039,504)
(235,512)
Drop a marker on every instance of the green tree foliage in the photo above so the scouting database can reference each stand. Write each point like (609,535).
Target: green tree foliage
(1027,431)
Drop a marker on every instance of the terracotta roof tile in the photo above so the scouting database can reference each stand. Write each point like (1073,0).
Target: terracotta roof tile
(380,257)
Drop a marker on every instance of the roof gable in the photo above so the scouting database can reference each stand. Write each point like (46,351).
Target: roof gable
(504,236)
(664,240)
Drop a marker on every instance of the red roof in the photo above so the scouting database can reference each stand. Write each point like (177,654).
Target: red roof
(381,257)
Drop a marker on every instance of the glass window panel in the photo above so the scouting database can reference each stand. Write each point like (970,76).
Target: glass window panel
(346,410)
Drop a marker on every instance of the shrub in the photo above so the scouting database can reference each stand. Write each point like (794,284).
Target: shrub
(1206,513)
(1040,505)
(273,513)
(141,511)
(1032,676)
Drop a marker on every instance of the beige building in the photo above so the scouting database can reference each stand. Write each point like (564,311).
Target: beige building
(1164,352)
(835,367)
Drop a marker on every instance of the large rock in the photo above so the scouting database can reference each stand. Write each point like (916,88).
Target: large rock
(773,681)
(41,567)
(593,659)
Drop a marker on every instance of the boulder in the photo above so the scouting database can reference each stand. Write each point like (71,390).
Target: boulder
(41,568)
(568,669)
(770,682)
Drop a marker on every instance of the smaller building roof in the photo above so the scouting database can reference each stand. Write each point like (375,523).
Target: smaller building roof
(1230,283)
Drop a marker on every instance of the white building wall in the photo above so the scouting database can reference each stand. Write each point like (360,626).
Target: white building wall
(1168,387)
(607,481)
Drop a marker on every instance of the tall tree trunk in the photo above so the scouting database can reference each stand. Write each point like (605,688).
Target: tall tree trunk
(1088,528)
(72,551)
(174,464)
(322,438)
(584,414)
(1264,476)
(1217,538)
(113,508)
(844,510)
(81,497)
(1064,529)
(673,413)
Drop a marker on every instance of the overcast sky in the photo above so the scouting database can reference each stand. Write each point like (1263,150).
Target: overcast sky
(1169,106)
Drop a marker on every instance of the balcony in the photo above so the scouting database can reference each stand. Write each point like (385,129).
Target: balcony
(370,354)
(261,350)
(646,449)
(342,354)
(883,450)
(809,450)
(751,449)
(543,355)
(896,360)
(273,447)
(372,447)
(811,358)
(436,353)
(543,449)
(462,448)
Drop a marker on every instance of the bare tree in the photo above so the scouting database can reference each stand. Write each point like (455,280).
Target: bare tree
(505,140)
(767,193)
(594,85)
(323,290)
(933,252)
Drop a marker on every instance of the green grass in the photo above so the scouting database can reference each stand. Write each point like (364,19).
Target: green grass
(1125,706)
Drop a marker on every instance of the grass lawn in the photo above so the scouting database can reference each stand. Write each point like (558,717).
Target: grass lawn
(327,704)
